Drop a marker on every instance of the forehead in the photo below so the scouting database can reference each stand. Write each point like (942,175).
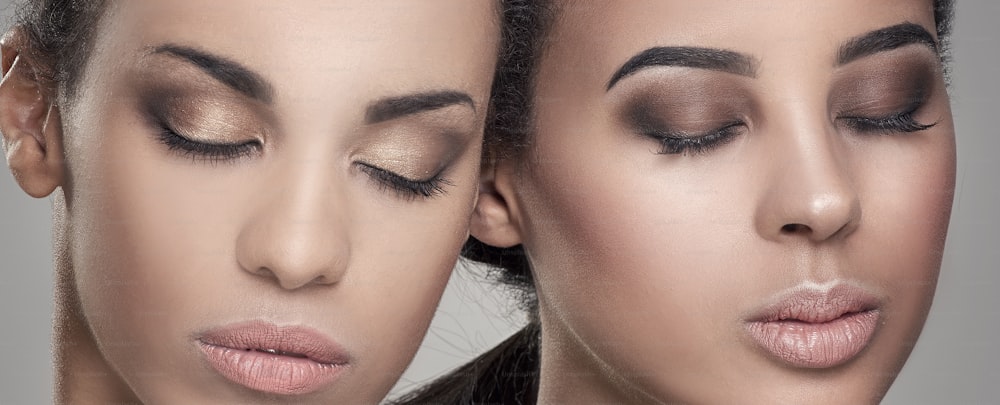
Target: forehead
(318,40)
(608,32)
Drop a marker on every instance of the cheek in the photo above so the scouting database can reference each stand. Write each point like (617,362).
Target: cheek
(402,255)
(149,247)
(154,254)
(906,207)
(635,255)
(632,256)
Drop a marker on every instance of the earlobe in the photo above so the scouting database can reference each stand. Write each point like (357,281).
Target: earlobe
(494,221)
(30,124)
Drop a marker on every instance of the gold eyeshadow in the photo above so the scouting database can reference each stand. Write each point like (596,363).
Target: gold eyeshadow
(201,117)
(420,146)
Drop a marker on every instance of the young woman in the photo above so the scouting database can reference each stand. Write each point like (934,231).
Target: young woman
(252,203)
(716,202)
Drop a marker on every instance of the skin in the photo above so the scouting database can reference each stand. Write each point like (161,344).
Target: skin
(647,265)
(155,245)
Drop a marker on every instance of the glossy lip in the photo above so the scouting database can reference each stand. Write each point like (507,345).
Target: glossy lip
(812,327)
(258,355)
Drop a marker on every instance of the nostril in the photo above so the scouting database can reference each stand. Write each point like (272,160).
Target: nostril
(794,228)
(266,273)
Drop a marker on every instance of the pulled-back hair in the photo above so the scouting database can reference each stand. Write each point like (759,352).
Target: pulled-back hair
(509,372)
(58,37)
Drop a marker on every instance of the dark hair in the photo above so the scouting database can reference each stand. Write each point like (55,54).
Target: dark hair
(58,37)
(508,373)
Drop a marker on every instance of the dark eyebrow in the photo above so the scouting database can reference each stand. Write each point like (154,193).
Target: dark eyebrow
(692,57)
(885,39)
(394,107)
(228,72)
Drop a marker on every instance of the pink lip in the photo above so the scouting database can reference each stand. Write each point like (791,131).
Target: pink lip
(810,328)
(277,360)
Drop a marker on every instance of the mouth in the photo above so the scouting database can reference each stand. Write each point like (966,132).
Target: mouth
(272,359)
(810,328)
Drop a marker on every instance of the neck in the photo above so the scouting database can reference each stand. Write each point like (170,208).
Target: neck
(572,374)
(82,375)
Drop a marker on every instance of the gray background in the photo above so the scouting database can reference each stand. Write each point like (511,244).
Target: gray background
(957,360)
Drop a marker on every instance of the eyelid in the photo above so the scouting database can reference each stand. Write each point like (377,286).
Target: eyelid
(909,108)
(412,155)
(900,119)
(366,165)
(643,117)
(200,124)
(887,84)
(898,122)
(210,152)
(686,144)
(404,186)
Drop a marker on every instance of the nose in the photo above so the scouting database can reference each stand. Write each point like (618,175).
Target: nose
(809,194)
(297,237)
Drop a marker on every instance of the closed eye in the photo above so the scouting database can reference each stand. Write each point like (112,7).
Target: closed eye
(213,152)
(403,186)
(678,143)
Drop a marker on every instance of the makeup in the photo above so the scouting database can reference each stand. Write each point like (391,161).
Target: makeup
(886,93)
(784,242)
(231,246)
(277,360)
(687,111)
(406,187)
(409,153)
(808,327)
(202,124)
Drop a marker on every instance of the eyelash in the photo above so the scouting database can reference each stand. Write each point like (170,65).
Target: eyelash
(406,187)
(673,144)
(902,122)
(214,153)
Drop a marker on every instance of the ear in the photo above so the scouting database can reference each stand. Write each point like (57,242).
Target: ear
(29,121)
(495,221)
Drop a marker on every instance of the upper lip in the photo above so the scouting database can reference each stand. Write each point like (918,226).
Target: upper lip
(813,304)
(298,341)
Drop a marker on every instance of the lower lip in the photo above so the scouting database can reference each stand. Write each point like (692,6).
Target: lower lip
(271,373)
(816,345)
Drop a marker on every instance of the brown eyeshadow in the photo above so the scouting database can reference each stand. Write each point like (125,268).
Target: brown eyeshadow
(883,85)
(684,104)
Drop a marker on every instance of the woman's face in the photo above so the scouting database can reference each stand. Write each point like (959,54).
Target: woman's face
(726,202)
(264,203)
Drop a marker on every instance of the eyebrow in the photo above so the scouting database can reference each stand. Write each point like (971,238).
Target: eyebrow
(885,39)
(229,72)
(391,108)
(684,56)
(881,40)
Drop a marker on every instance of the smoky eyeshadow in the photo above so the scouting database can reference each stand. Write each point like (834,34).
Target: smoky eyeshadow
(641,115)
(158,105)
(883,87)
(682,107)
